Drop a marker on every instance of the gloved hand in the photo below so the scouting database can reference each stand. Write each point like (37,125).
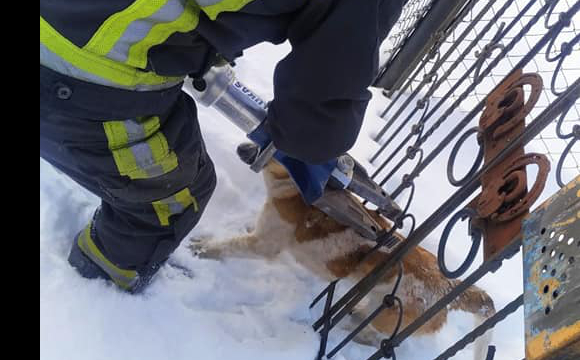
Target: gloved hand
(311,179)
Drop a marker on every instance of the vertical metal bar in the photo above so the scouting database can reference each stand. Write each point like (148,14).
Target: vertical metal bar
(358,329)
(480,330)
(448,53)
(391,156)
(481,271)
(326,328)
(439,17)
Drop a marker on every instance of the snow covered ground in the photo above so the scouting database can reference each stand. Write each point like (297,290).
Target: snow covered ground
(236,309)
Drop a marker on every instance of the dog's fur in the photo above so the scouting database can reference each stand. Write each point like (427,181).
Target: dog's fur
(331,250)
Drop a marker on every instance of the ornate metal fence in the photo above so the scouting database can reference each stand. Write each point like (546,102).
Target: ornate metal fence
(503,72)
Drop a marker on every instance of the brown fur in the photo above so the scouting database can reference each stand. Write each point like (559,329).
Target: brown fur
(312,226)
(311,223)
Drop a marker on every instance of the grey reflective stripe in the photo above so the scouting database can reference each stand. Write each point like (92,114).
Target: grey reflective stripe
(175,207)
(138,30)
(58,64)
(145,160)
(207,2)
(108,267)
(135,130)
(136,134)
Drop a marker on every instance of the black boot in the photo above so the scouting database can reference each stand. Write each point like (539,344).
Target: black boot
(85,266)
(90,262)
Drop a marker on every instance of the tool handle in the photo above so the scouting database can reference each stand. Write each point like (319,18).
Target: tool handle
(220,89)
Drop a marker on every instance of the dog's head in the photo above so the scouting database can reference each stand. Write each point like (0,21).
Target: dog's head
(280,186)
(312,221)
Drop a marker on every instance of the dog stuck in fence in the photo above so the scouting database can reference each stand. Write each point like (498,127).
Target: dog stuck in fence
(330,250)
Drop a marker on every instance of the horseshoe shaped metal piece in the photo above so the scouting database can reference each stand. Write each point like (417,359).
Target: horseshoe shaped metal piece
(493,198)
(504,110)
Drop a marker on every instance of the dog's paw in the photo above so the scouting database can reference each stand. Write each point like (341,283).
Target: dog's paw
(204,250)
(196,249)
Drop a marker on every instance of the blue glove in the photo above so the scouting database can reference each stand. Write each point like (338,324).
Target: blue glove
(311,179)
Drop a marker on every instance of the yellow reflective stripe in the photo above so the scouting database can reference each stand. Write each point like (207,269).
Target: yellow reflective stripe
(163,212)
(118,140)
(187,21)
(124,159)
(152,140)
(150,124)
(123,278)
(173,205)
(161,153)
(88,62)
(113,28)
(122,133)
(185,198)
(127,164)
(116,134)
(212,11)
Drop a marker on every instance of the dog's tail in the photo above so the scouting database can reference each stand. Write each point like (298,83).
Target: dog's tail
(477,302)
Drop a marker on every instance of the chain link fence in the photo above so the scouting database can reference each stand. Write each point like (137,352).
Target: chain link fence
(474,42)
(413,12)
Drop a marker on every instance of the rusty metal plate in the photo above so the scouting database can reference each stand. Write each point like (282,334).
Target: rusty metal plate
(551,255)
(505,200)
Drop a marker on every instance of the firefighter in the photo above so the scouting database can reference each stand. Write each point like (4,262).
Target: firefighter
(113,116)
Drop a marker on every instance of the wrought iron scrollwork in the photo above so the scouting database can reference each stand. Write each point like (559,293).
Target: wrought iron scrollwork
(453,155)
(388,302)
(565,51)
(487,51)
(573,135)
(475,235)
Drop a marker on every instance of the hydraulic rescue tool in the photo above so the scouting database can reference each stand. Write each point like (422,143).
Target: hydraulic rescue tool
(328,187)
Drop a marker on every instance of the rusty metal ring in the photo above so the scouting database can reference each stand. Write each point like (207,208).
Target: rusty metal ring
(535,81)
(533,194)
(494,111)
(519,176)
(475,235)
(513,98)
(453,155)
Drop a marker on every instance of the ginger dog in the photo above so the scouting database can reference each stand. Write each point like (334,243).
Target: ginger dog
(330,251)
